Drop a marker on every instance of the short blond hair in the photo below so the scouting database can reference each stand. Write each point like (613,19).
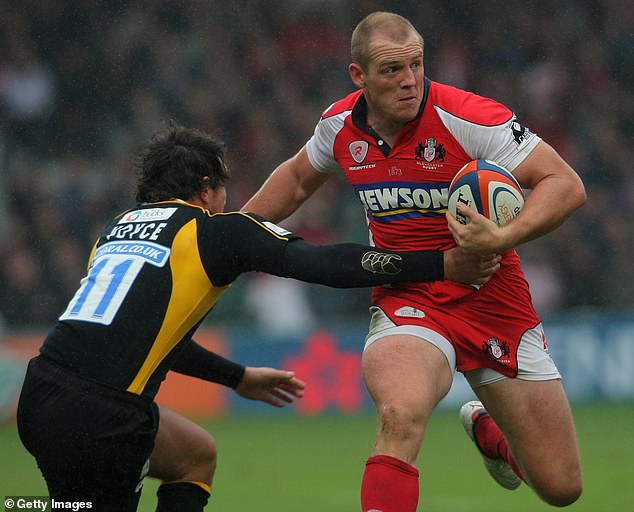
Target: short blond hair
(392,24)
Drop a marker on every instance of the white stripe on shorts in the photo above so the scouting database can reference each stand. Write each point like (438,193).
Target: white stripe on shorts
(381,326)
(534,361)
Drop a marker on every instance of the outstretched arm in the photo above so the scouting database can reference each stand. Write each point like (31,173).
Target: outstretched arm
(353,265)
(257,245)
(275,387)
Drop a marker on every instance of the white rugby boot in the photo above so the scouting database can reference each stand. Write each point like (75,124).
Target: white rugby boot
(499,469)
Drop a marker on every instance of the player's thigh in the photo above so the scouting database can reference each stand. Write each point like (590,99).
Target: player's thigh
(183,450)
(406,373)
(537,422)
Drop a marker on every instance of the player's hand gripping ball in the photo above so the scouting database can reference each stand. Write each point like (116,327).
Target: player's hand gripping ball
(489,189)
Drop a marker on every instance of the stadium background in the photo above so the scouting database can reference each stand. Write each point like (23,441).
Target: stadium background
(83,84)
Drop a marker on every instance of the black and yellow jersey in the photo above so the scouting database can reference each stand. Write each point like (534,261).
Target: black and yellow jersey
(157,270)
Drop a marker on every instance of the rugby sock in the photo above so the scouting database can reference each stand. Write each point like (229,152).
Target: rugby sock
(492,442)
(389,485)
(182,497)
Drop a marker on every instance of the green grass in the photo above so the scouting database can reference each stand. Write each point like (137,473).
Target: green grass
(283,463)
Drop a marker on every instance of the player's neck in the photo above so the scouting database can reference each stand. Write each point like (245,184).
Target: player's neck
(387,130)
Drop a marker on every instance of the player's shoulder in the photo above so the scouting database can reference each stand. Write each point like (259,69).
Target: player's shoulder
(230,222)
(468,105)
(343,105)
(236,217)
(239,222)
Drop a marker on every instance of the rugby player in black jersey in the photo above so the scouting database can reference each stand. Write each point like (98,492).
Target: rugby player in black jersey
(87,412)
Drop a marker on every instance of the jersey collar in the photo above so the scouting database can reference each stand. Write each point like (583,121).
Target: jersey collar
(360,116)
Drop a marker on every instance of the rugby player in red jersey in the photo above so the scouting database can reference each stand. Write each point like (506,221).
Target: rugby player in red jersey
(400,139)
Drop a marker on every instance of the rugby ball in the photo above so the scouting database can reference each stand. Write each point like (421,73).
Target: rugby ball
(489,189)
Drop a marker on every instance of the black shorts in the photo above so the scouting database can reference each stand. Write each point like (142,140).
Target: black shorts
(91,442)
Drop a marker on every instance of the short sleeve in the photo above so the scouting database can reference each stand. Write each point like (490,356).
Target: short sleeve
(507,142)
(320,147)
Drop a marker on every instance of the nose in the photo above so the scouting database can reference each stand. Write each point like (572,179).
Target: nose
(409,78)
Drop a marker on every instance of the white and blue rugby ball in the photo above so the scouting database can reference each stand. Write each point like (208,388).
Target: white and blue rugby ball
(489,189)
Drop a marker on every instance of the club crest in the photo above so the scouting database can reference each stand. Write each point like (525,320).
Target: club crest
(430,151)
(499,350)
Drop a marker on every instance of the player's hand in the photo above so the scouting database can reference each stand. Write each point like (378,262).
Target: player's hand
(275,387)
(470,268)
(480,235)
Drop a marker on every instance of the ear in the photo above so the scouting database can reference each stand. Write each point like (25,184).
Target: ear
(357,75)
(204,193)
(201,198)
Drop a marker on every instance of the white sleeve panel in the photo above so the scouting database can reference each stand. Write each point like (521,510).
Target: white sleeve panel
(320,147)
(507,144)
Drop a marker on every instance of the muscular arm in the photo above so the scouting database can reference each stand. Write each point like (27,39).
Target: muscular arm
(287,188)
(556,192)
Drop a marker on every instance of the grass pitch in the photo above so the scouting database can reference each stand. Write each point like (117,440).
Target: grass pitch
(284,463)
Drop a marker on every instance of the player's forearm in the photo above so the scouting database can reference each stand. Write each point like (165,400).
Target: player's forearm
(354,265)
(197,361)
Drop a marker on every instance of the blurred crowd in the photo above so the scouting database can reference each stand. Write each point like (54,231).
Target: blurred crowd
(83,84)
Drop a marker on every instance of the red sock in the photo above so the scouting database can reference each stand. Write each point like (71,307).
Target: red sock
(492,443)
(389,485)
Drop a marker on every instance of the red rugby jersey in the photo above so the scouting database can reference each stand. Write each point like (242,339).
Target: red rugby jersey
(404,188)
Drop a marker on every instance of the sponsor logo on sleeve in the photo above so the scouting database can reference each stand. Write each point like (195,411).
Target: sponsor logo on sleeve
(276,229)
(381,263)
(520,133)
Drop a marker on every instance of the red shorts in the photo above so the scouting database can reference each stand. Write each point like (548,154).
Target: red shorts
(484,326)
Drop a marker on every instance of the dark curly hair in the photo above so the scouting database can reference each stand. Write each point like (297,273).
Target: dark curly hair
(178,163)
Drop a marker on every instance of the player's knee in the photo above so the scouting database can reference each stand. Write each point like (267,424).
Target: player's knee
(202,459)
(401,422)
(563,499)
(207,454)
(563,493)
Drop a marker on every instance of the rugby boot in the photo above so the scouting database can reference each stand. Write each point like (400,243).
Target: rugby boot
(498,468)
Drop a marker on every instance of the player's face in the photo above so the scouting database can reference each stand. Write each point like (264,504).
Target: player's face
(393,84)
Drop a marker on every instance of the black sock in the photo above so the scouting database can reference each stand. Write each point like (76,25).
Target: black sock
(181,497)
